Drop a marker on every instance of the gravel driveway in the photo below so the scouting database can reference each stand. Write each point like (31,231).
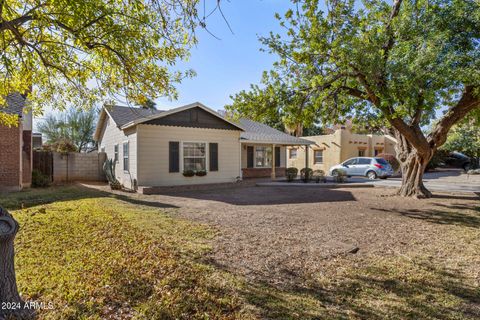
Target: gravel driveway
(282,235)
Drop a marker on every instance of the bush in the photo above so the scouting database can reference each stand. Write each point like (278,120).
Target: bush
(201,173)
(341,176)
(475,172)
(188,173)
(306,174)
(40,180)
(391,159)
(319,175)
(291,173)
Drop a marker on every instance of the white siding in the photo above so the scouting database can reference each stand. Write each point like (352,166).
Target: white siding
(153,156)
(112,135)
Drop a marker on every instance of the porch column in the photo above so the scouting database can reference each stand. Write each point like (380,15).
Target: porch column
(306,155)
(273,162)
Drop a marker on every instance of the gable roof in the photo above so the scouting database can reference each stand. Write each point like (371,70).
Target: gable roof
(123,115)
(259,132)
(15,104)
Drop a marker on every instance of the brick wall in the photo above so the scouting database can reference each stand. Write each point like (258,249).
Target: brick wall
(262,172)
(78,167)
(10,153)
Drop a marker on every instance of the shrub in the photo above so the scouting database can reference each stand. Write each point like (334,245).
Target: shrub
(341,176)
(40,180)
(319,175)
(188,173)
(475,172)
(392,160)
(306,174)
(291,173)
(201,173)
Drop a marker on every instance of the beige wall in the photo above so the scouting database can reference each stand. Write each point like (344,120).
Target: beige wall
(112,135)
(340,146)
(153,155)
(78,167)
(283,160)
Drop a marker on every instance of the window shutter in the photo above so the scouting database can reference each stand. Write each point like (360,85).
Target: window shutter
(174,156)
(277,157)
(249,157)
(213,151)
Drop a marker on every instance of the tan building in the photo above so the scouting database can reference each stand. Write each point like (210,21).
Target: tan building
(331,149)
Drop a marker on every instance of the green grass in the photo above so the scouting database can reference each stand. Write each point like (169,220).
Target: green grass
(95,255)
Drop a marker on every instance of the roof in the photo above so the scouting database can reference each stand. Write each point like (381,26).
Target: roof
(15,104)
(261,133)
(123,115)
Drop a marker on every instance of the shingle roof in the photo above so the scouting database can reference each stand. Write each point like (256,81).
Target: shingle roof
(15,104)
(259,132)
(122,115)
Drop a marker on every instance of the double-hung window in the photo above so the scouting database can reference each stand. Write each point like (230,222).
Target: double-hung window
(126,154)
(115,153)
(263,157)
(293,153)
(318,156)
(194,156)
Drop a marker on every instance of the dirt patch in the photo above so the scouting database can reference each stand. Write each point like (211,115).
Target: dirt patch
(284,236)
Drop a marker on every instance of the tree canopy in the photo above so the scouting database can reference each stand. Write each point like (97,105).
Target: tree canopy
(76,127)
(66,52)
(391,63)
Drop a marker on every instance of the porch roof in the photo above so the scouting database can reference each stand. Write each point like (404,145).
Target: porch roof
(256,132)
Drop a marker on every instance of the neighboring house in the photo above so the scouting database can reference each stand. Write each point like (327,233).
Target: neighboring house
(16,147)
(331,149)
(154,148)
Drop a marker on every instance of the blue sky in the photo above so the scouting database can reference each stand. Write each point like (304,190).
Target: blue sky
(231,64)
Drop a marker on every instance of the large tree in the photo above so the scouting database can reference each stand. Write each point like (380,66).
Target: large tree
(393,63)
(65,52)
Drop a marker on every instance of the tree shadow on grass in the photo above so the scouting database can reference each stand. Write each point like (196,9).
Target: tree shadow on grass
(461,217)
(42,196)
(374,292)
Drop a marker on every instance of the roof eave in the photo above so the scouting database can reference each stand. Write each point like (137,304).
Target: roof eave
(290,143)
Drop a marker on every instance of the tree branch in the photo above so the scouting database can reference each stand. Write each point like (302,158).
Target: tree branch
(467,103)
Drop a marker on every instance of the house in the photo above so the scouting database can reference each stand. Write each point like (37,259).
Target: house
(16,146)
(155,148)
(331,149)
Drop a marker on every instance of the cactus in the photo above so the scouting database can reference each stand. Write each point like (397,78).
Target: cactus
(109,169)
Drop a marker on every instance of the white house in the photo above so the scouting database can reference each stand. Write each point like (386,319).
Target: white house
(158,148)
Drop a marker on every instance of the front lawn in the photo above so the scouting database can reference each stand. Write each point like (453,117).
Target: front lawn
(97,255)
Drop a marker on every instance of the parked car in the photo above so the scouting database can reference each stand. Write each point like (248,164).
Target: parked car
(458,160)
(371,168)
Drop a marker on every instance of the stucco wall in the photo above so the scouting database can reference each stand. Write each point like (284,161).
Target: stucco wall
(112,135)
(153,154)
(340,146)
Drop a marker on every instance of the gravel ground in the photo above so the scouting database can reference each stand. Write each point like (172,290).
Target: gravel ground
(283,235)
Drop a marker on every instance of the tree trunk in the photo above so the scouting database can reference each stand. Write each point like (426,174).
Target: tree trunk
(413,164)
(12,305)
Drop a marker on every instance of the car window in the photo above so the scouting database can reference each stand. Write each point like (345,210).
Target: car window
(364,161)
(350,162)
(381,161)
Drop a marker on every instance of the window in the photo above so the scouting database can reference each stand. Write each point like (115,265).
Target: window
(377,151)
(318,156)
(361,153)
(115,153)
(364,161)
(194,156)
(292,153)
(350,162)
(126,151)
(263,157)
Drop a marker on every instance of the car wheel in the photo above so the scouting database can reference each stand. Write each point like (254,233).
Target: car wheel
(371,175)
(466,167)
(334,173)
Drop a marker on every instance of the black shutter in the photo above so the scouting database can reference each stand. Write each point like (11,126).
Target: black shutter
(174,156)
(249,157)
(213,151)
(277,157)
